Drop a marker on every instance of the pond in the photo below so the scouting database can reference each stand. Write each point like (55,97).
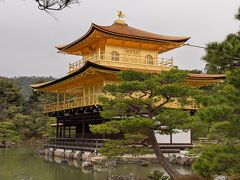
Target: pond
(22,163)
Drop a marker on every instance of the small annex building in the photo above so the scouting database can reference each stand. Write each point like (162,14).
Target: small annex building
(103,51)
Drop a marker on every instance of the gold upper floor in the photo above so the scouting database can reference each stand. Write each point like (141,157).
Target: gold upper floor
(125,59)
(122,46)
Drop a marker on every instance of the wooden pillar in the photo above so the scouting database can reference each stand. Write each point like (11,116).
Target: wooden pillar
(83,129)
(84,96)
(78,131)
(57,100)
(69,131)
(170,138)
(64,128)
(89,95)
(93,94)
(57,129)
(99,54)
(60,135)
(172,61)
(190,136)
(64,99)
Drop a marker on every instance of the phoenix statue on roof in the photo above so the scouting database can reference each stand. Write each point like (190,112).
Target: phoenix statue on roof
(120,14)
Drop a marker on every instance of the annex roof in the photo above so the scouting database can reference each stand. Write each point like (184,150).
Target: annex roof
(207,76)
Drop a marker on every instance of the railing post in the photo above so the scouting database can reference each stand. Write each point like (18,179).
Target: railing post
(69,67)
(172,62)
(57,101)
(57,130)
(96,149)
(64,99)
(99,54)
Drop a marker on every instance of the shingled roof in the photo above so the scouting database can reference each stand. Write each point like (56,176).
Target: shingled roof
(123,30)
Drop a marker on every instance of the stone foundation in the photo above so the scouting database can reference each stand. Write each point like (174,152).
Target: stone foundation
(92,159)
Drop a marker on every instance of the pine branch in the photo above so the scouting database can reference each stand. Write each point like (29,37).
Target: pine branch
(136,110)
(162,104)
(55,5)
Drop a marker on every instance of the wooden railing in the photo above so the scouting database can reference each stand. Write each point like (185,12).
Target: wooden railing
(191,104)
(86,101)
(75,143)
(71,103)
(131,60)
(93,145)
(194,104)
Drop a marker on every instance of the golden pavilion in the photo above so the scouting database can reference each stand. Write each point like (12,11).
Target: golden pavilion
(103,51)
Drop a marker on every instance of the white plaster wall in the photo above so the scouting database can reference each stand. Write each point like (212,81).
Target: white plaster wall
(178,137)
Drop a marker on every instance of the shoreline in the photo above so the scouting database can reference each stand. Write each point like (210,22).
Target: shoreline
(90,159)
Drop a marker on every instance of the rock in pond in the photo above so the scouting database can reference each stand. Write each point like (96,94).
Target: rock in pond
(220,178)
(87,165)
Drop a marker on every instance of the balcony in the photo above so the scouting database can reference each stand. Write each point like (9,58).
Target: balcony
(92,145)
(71,103)
(93,100)
(123,60)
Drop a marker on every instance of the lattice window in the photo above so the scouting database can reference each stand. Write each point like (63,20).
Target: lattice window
(115,56)
(149,59)
(134,52)
(101,55)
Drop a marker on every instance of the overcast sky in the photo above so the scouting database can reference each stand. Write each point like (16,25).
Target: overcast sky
(28,35)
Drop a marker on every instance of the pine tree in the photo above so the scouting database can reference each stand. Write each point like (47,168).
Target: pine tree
(139,105)
(223,56)
(220,112)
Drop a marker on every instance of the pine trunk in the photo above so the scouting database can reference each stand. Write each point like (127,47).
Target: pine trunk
(163,161)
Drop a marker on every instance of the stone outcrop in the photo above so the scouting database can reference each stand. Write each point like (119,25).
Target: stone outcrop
(87,165)
(116,177)
(220,178)
(180,159)
(93,159)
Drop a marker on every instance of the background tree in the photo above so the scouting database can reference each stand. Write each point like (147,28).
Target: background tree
(138,106)
(222,56)
(220,112)
(8,132)
(10,98)
(237,16)
(22,119)
(24,82)
(10,104)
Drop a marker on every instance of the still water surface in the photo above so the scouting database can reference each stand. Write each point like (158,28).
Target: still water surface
(23,164)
